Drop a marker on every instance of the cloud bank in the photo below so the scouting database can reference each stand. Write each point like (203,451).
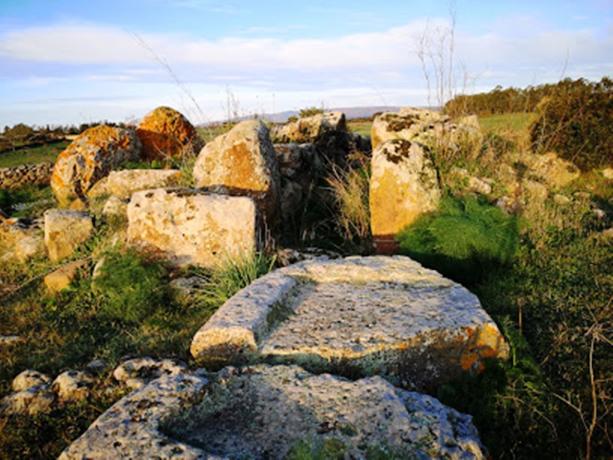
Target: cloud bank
(371,67)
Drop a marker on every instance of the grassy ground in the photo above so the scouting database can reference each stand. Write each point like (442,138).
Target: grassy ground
(361,127)
(32,155)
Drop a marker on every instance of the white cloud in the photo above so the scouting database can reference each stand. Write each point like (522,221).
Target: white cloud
(371,68)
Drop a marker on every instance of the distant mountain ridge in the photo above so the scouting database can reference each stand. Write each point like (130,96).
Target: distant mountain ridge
(350,112)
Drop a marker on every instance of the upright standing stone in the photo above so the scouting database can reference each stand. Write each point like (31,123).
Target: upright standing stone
(190,227)
(65,231)
(89,158)
(403,186)
(242,162)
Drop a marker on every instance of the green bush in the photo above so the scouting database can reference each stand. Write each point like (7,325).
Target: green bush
(310,111)
(131,287)
(575,121)
(463,240)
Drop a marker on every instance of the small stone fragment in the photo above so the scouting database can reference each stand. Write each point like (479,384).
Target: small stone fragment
(71,386)
(61,278)
(29,379)
(65,231)
(137,372)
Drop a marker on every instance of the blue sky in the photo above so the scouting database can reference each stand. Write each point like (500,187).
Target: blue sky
(65,61)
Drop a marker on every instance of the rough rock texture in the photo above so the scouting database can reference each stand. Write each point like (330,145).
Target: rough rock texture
(327,132)
(32,395)
(72,385)
(122,184)
(29,379)
(32,401)
(115,208)
(192,227)
(309,129)
(65,231)
(89,158)
(21,240)
(263,412)
(242,162)
(61,278)
(136,373)
(403,186)
(301,167)
(166,133)
(387,316)
(131,427)
(18,176)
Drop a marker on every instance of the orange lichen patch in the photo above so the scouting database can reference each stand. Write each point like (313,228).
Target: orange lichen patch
(241,169)
(483,343)
(166,133)
(89,158)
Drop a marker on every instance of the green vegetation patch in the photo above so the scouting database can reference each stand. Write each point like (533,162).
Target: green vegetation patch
(463,240)
(33,155)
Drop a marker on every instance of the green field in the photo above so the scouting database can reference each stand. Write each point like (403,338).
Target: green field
(507,123)
(40,154)
(360,127)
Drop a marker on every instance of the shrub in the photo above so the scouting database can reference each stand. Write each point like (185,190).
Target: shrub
(463,240)
(310,111)
(575,120)
(131,287)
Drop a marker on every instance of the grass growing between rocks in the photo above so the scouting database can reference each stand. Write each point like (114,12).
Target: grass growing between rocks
(127,310)
(547,282)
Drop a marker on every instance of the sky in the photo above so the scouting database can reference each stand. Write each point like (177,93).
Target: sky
(69,61)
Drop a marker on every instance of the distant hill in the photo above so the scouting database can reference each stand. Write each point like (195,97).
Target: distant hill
(350,112)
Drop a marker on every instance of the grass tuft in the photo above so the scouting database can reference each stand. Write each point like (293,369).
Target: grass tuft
(463,240)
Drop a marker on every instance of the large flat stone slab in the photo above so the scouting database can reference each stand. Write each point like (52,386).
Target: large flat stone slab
(190,227)
(357,316)
(266,412)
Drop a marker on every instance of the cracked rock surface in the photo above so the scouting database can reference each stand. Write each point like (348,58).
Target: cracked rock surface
(264,412)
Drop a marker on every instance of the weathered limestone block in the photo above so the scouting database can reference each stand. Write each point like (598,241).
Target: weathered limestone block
(122,184)
(65,231)
(32,401)
(89,158)
(71,386)
(32,394)
(424,126)
(136,373)
(29,379)
(403,186)
(190,227)
(264,412)
(309,129)
(61,278)
(131,427)
(242,162)
(166,133)
(378,315)
(21,240)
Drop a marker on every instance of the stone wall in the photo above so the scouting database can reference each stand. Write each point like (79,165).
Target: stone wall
(18,176)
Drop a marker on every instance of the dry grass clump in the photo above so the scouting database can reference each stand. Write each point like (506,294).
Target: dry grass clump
(350,192)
